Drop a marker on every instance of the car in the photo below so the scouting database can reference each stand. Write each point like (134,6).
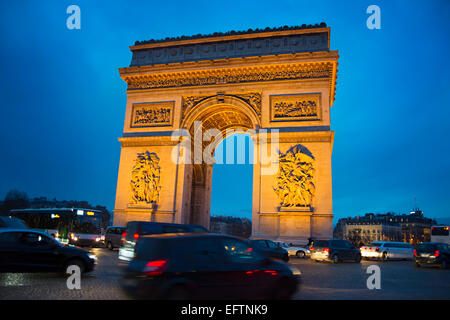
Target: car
(296,251)
(270,249)
(12,222)
(205,266)
(25,250)
(388,250)
(113,236)
(136,229)
(432,254)
(334,250)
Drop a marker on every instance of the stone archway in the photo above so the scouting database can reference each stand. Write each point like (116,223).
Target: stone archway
(278,83)
(220,113)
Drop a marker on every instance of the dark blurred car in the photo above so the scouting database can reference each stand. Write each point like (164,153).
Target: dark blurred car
(113,236)
(432,253)
(25,250)
(11,222)
(270,249)
(205,266)
(334,251)
(136,229)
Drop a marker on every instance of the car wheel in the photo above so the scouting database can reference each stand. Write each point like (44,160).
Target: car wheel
(109,245)
(384,257)
(444,264)
(358,258)
(300,254)
(335,259)
(74,262)
(178,293)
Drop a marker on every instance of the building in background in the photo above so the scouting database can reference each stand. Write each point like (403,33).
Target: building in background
(240,227)
(413,228)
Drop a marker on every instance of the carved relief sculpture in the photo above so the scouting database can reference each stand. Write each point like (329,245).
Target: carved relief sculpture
(152,114)
(145,178)
(295,107)
(294,186)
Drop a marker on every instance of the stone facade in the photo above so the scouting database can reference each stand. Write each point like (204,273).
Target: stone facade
(282,98)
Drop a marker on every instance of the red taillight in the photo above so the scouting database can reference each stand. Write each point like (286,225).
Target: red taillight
(415,253)
(326,249)
(124,235)
(312,249)
(136,235)
(155,268)
(272,272)
(436,253)
(377,249)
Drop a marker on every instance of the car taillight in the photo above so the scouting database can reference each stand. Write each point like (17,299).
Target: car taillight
(326,249)
(415,253)
(124,235)
(312,249)
(436,253)
(155,268)
(272,272)
(377,249)
(136,235)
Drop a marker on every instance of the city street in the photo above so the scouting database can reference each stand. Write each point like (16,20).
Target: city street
(399,280)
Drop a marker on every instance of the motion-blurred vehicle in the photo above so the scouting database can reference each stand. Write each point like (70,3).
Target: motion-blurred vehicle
(205,266)
(113,236)
(440,234)
(432,254)
(11,222)
(388,250)
(334,250)
(295,251)
(25,250)
(77,226)
(136,229)
(270,249)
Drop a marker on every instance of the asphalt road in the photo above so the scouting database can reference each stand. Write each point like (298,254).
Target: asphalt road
(399,280)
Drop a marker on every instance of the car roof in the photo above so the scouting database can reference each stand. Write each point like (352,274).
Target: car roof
(2,230)
(185,235)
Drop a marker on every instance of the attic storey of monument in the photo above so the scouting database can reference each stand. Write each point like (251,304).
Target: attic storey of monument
(276,85)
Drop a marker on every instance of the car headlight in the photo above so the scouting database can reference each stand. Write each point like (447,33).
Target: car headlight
(97,239)
(295,271)
(92,256)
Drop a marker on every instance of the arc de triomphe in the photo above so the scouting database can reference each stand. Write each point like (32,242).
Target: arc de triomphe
(277,84)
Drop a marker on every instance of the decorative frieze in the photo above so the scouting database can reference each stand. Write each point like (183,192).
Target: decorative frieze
(295,107)
(319,70)
(152,114)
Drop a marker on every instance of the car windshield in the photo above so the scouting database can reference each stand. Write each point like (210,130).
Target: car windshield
(320,243)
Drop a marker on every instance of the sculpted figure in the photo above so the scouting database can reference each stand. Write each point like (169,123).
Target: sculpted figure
(294,185)
(145,178)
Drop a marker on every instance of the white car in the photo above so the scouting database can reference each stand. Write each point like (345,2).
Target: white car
(300,252)
(388,250)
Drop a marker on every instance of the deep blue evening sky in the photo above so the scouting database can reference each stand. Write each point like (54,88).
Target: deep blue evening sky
(63,102)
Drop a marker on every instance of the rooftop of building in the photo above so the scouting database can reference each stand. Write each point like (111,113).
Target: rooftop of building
(233,33)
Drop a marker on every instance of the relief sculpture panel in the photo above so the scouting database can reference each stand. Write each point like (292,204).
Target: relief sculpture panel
(152,114)
(145,179)
(294,181)
(297,107)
